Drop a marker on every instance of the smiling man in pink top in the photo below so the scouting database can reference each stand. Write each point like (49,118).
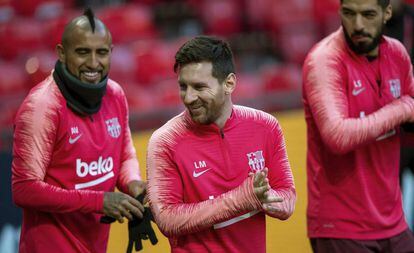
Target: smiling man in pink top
(217,169)
(358,89)
(72,146)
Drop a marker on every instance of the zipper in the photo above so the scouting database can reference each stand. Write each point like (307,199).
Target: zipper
(379,88)
(222,133)
(226,156)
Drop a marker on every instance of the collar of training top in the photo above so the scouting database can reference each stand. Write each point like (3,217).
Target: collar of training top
(82,98)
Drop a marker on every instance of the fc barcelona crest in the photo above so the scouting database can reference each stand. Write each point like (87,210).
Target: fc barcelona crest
(395,87)
(113,127)
(256,160)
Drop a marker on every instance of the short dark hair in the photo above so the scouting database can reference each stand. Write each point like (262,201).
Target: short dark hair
(382,3)
(208,49)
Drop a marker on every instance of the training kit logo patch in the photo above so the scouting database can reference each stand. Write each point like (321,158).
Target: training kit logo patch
(395,87)
(256,160)
(358,88)
(74,135)
(113,127)
(200,168)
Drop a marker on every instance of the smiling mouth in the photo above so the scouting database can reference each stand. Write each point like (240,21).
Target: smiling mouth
(195,109)
(91,76)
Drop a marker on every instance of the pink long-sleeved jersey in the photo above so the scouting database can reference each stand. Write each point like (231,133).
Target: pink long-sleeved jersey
(63,164)
(353,110)
(199,186)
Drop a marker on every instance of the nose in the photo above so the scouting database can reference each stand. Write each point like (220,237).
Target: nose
(189,96)
(92,61)
(359,24)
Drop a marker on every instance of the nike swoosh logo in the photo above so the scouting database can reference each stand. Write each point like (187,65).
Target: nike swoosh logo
(386,135)
(71,141)
(195,174)
(358,91)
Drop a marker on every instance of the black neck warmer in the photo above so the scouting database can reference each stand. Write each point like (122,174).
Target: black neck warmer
(82,98)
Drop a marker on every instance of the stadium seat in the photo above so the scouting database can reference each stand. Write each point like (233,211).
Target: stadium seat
(325,9)
(326,15)
(122,64)
(248,87)
(13,78)
(154,61)
(256,13)
(128,22)
(40,8)
(20,36)
(288,12)
(221,17)
(167,93)
(295,40)
(139,99)
(282,77)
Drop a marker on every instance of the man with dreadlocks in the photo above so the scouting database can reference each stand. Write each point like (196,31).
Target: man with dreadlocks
(72,146)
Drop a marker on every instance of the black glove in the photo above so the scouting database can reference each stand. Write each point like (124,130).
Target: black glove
(140,229)
(408,127)
(107,219)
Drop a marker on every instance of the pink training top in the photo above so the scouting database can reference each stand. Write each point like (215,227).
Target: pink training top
(353,121)
(198,184)
(63,164)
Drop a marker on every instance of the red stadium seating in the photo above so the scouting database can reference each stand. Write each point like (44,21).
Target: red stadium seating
(282,13)
(167,93)
(326,15)
(40,8)
(281,77)
(249,86)
(20,36)
(221,17)
(13,78)
(154,61)
(128,22)
(294,41)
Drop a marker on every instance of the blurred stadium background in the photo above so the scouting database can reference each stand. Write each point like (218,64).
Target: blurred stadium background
(270,39)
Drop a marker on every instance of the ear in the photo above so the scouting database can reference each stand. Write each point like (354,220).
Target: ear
(387,13)
(230,83)
(61,53)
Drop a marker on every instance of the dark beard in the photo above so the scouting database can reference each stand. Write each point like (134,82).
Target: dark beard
(362,48)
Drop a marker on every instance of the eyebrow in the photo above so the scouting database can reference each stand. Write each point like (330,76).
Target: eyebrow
(362,11)
(369,11)
(90,49)
(82,49)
